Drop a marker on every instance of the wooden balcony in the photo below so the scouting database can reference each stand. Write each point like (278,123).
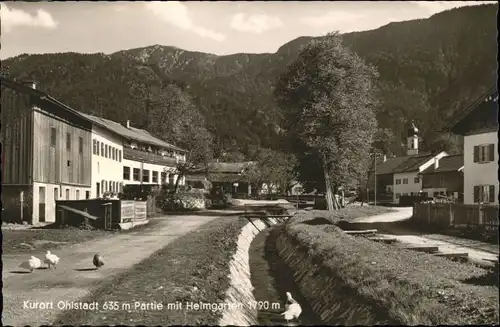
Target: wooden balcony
(148,157)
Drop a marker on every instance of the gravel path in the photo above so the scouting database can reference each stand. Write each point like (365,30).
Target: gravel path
(74,277)
(398,215)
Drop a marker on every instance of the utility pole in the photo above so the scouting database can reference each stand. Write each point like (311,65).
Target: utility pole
(375,175)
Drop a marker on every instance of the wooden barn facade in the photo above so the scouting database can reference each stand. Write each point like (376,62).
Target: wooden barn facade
(46,153)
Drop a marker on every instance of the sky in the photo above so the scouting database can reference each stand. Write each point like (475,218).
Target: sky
(221,28)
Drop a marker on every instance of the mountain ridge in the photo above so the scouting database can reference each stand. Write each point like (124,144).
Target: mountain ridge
(429,69)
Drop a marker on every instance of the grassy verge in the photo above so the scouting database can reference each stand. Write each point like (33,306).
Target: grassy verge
(346,214)
(48,237)
(415,288)
(193,268)
(43,239)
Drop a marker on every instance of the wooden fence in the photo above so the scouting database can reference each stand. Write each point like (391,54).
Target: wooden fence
(457,215)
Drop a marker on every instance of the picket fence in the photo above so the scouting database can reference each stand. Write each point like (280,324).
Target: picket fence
(457,215)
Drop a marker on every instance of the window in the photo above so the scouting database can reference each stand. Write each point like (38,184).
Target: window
(102,149)
(53,136)
(77,194)
(106,151)
(121,187)
(436,194)
(398,195)
(126,173)
(171,179)
(87,194)
(113,153)
(103,184)
(137,174)
(405,180)
(398,181)
(145,176)
(56,194)
(120,155)
(163,177)
(155,177)
(80,144)
(94,146)
(67,194)
(484,193)
(416,180)
(484,153)
(68,141)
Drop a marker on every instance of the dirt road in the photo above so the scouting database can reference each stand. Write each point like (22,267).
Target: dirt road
(398,215)
(75,277)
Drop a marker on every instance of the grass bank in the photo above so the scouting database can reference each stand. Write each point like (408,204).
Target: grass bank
(193,268)
(413,288)
(19,241)
(345,214)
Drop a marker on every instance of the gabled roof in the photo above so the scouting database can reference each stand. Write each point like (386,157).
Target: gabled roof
(133,134)
(447,164)
(413,163)
(402,164)
(484,108)
(228,167)
(42,97)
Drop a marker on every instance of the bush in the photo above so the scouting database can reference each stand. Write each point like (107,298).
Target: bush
(168,201)
(219,198)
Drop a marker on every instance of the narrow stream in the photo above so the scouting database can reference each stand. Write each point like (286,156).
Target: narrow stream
(271,280)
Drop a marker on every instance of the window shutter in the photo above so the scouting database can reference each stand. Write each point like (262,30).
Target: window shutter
(491,194)
(491,152)
(476,194)
(476,153)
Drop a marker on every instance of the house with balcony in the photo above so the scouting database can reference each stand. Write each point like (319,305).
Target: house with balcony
(125,155)
(400,176)
(46,153)
(478,124)
(444,178)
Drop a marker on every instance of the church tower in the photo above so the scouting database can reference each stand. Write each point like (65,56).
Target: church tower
(412,140)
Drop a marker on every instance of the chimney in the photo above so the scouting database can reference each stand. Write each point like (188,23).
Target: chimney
(436,163)
(385,158)
(128,124)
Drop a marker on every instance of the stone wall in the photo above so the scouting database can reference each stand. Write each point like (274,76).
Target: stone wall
(334,302)
(239,296)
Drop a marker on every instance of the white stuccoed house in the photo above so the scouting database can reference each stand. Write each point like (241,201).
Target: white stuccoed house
(479,126)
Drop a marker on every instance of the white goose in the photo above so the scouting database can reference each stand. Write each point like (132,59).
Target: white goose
(293,309)
(51,259)
(31,264)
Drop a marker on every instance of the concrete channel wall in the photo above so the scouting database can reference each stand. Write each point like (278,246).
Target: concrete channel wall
(239,296)
(334,302)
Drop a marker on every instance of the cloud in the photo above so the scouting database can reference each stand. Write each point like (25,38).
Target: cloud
(176,13)
(16,17)
(331,18)
(433,7)
(255,23)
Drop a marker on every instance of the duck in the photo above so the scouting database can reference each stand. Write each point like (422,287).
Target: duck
(31,264)
(51,259)
(98,261)
(293,308)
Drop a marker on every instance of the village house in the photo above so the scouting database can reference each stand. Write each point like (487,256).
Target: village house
(46,153)
(444,178)
(479,126)
(229,176)
(52,152)
(400,176)
(124,155)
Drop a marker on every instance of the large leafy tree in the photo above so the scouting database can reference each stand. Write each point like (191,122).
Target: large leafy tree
(273,167)
(173,117)
(328,99)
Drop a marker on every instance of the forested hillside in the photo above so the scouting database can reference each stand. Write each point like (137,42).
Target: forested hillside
(429,69)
